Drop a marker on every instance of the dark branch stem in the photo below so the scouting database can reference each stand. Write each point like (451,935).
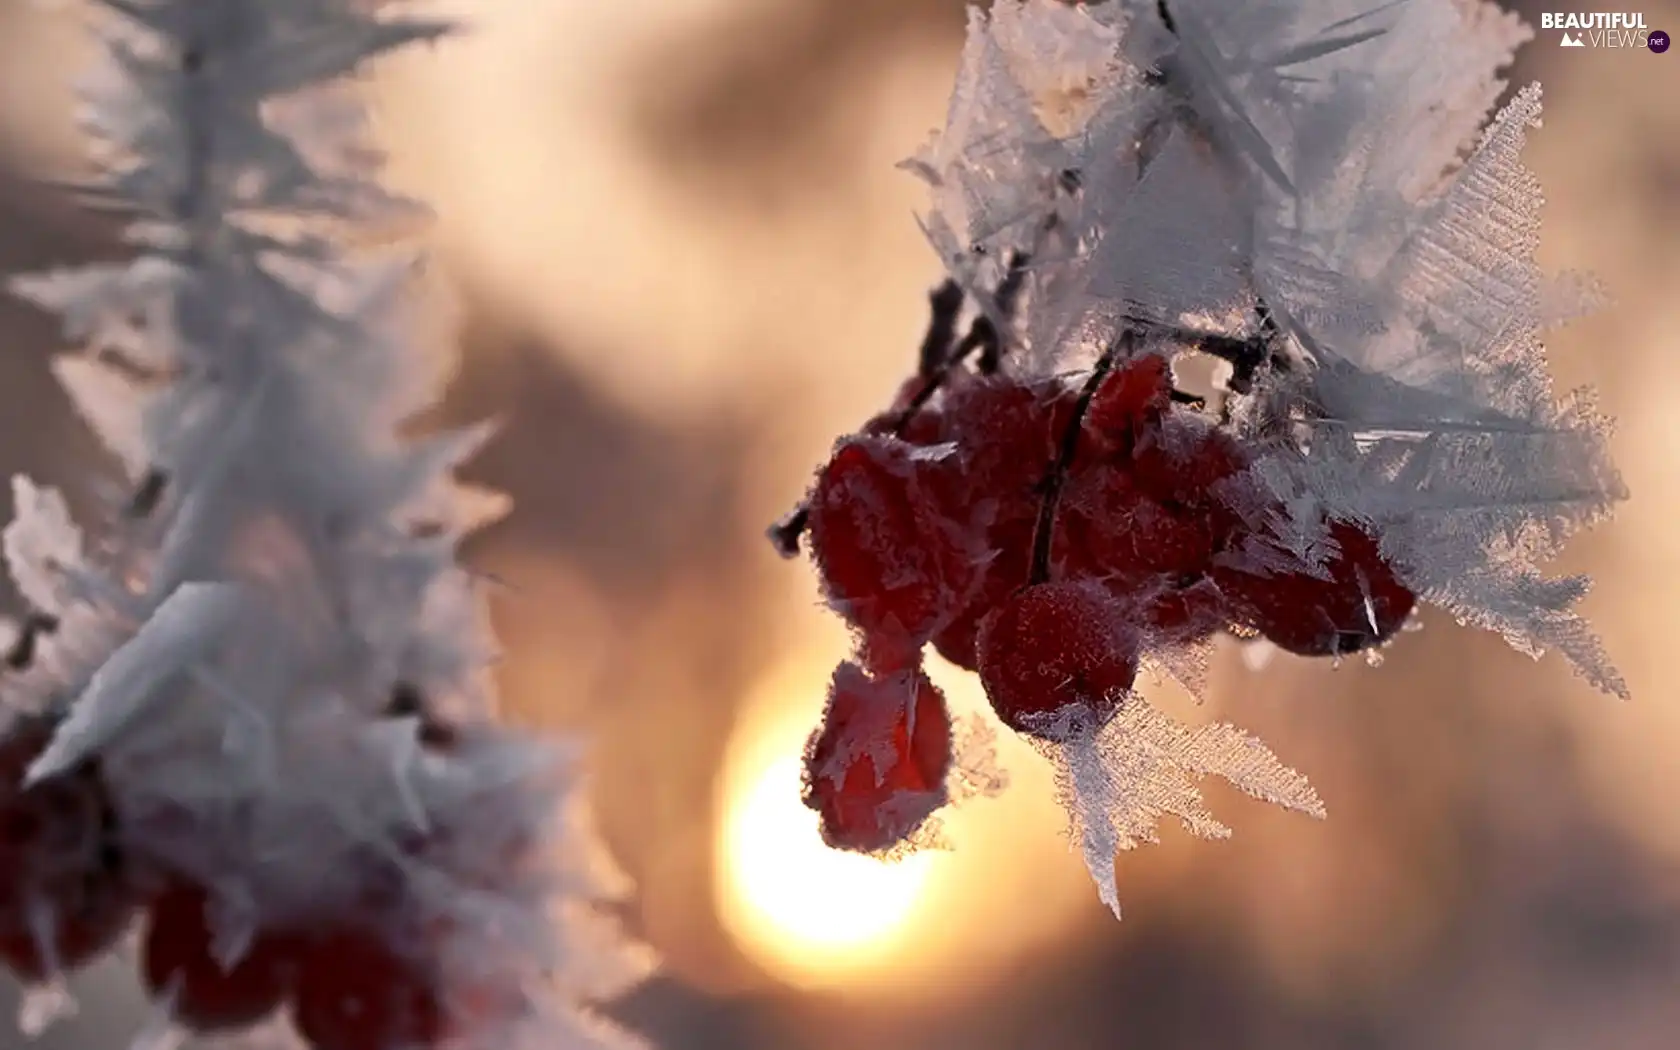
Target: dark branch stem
(1246,354)
(982,335)
(784,534)
(21,653)
(147,494)
(938,360)
(944,304)
(1044,531)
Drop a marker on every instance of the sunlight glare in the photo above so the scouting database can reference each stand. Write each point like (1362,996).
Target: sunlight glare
(810,914)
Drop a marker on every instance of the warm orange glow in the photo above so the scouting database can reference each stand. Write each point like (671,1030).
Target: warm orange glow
(809,914)
(815,901)
(934,922)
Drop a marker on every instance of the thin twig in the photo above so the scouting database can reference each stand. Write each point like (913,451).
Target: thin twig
(1045,529)
(21,653)
(937,361)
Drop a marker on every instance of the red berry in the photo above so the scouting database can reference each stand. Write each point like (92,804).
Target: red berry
(1142,510)
(1003,571)
(65,890)
(355,991)
(1056,658)
(1184,460)
(1153,534)
(1361,605)
(179,957)
(956,642)
(875,769)
(1130,402)
(891,560)
(1183,615)
(86,920)
(1006,432)
(1111,530)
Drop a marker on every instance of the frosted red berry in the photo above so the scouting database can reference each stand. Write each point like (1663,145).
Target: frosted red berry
(891,561)
(1058,658)
(1003,570)
(875,769)
(1005,431)
(1148,515)
(1361,604)
(1186,613)
(1112,530)
(1130,402)
(1185,461)
(179,960)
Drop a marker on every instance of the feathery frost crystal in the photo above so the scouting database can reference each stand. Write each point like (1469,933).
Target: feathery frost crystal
(1312,196)
(251,710)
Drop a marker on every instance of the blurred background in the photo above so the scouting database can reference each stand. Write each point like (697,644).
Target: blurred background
(685,262)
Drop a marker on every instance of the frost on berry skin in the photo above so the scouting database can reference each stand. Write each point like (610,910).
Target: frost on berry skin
(1003,570)
(206,991)
(875,768)
(891,560)
(1005,431)
(1111,529)
(1130,404)
(1143,509)
(1058,659)
(1354,601)
(67,892)
(1003,436)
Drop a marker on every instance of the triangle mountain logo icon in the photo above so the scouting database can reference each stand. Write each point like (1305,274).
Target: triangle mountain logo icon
(1571,41)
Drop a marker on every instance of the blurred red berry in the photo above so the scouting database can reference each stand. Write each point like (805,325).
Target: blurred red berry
(86,920)
(66,894)
(355,991)
(179,958)
(1360,605)
(1059,657)
(875,768)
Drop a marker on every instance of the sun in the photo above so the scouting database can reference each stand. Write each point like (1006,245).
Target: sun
(810,914)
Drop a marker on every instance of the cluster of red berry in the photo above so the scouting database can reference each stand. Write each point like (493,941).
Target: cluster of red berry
(1048,535)
(364,975)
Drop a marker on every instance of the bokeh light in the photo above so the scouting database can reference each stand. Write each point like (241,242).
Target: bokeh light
(817,898)
(809,914)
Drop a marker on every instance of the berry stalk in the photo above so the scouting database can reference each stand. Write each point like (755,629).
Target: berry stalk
(1044,529)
